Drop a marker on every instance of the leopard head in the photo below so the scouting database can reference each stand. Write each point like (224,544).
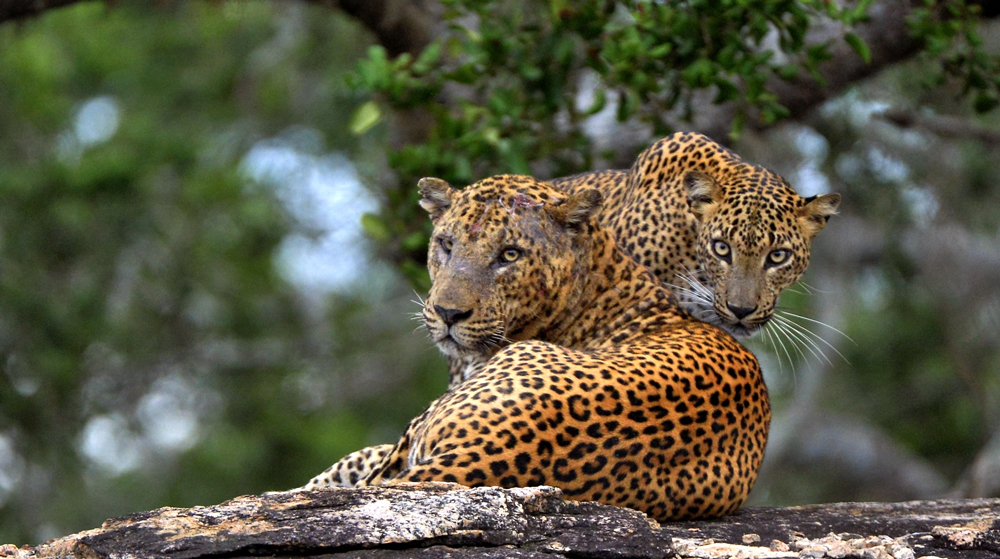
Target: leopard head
(504,258)
(754,237)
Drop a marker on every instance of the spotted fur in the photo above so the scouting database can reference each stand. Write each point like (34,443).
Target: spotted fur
(592,378)
(351,469)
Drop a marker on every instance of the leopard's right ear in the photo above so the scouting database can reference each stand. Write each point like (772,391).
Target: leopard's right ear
(437,196)
(576,210)
(704,193)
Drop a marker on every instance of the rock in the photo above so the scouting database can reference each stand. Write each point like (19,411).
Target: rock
(439,521)
(961,528)
(423,520)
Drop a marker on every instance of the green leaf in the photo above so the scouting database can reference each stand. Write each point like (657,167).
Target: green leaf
(491,136)
(364,118)
(727,91)
(557,6)
(736,129)
(699,73)
(660,51)
(427,59)
(628,104)
(600,100)
(375,227)
(531,72)
(787,71)
(859,46)
(417,275)
(415,241)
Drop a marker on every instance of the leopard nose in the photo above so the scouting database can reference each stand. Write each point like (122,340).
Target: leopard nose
(740,312)
(451,316)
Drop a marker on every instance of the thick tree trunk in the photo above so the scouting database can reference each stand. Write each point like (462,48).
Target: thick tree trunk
(443,520)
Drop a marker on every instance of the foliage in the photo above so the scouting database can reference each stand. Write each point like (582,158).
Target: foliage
(949,35)
(139,292)
(512,86)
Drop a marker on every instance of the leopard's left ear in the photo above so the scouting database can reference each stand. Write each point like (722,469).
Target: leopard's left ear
(577,209)
(437,196)
(816,212)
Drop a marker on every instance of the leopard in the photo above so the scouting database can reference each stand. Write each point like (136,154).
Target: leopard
(594,379)
(726,236)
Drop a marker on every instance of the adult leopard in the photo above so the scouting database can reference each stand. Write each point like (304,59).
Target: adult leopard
(594,379)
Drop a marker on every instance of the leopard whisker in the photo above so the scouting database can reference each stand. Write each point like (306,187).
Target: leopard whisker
(794,333)
(780,343)
(821,323)
(698,297)
(420,300)
(793,340)
(691,278)
(814,336)
(811,288)
(768,337)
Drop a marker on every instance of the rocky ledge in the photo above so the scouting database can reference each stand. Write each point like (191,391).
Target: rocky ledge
(449,521)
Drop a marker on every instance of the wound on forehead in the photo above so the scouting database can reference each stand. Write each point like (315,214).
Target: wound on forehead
(478,225)
(521,200)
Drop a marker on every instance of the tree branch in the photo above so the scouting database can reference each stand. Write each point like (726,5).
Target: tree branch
(887,35)
(399,25)
(943,126)
(11,10)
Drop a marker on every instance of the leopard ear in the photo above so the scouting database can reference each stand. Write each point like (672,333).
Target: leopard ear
(437,196)
(704,193)
(816,212)
(577,209)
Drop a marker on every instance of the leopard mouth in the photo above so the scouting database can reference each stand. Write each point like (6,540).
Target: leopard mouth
(451,344)
(447,343)
(741,329)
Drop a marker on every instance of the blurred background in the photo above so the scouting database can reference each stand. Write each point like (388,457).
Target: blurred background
(210,249)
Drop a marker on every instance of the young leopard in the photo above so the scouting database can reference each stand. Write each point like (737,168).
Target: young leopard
(694,213)
(594,380)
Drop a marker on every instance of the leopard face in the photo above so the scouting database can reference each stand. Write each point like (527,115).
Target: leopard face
(493,280)
(753,241)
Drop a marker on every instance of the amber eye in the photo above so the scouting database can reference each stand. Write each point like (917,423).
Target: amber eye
(721,249)
(778,256)
(509,255)
(446,244)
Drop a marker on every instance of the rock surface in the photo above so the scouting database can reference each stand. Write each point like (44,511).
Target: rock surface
(960,528)
(447,521)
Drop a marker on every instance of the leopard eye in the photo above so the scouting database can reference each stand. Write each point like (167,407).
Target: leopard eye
(721,249)
(446,244)
(778,256)
(509,255)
